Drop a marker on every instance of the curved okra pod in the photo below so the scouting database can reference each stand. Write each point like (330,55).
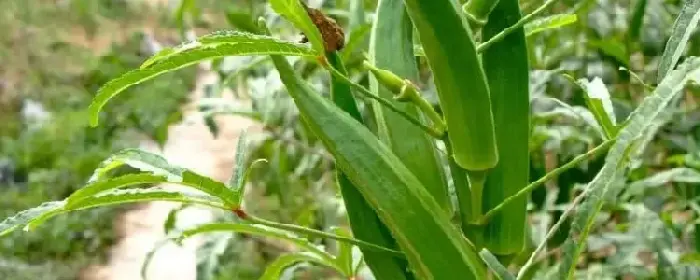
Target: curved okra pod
(460,80)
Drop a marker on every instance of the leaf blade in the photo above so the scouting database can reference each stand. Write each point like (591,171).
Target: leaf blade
(262,230)
(25,217)
(498,269)
(391,48)
(156,164)
(364,222)
(602,186)
(213,46)
(100,186)
(275,269)
(548,23)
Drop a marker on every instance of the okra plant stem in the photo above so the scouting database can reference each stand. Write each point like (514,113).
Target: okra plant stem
(427,108)
(551,175)
(405,91)
(552,230)
(433,131)
(314,233)
(524,20)
(476,185)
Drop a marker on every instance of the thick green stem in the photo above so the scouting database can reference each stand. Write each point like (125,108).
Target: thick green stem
(320,234)
(427,109)
(461,185)
(476,185)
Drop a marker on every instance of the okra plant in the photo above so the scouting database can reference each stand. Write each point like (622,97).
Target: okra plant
(398,176)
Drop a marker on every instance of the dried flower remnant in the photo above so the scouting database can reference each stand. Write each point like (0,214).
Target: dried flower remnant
(331,32)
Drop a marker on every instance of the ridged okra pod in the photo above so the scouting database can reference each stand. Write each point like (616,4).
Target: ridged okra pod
(507,69)
(460,80)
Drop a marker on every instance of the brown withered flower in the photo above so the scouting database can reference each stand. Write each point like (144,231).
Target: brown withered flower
(331,32)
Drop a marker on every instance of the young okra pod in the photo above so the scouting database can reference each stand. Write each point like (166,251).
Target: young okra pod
(460,80)
(405,91)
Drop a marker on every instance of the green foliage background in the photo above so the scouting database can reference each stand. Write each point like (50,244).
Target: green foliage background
(655,217)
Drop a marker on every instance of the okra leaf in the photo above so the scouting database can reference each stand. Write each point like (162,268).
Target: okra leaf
(216,45)
(683,27)
(241,21)
(275,269)
(604,185)
(613,48)
(391,49)
(675,175)
(34,217)
(599,103)
(236,180)
(260,230)
(549,22)
(344,257)
(295,12)
(364,221)
(149,162)
(496,267)
(97,187)
(121,196)
(23,218)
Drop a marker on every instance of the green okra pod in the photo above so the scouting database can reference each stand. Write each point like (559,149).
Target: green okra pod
(507,69)
(460,80)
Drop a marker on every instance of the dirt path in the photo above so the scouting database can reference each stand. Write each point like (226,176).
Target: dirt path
(190,145)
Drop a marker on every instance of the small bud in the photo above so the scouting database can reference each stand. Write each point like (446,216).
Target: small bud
(386,78)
